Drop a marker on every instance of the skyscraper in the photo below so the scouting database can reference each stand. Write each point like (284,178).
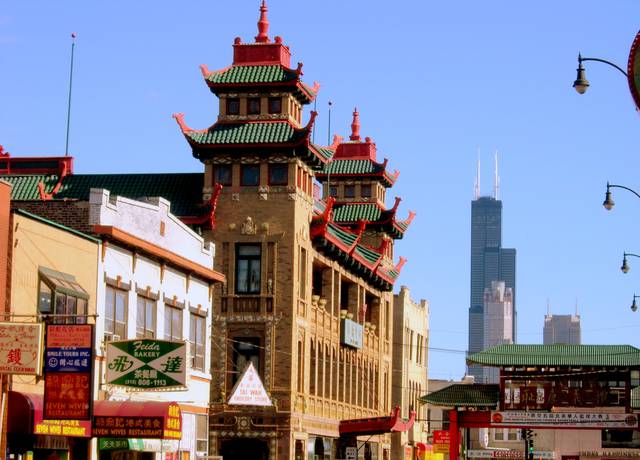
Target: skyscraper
(564,329)
(498,322)
(489,262)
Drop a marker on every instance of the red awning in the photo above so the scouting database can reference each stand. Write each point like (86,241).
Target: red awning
(25,417)
(376,425)
(137,419)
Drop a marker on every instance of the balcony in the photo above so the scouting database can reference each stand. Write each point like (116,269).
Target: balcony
(234,304)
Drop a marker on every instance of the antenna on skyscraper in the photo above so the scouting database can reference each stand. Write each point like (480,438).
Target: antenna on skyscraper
(476,189)
(496,178)
(576,306)
(548,307)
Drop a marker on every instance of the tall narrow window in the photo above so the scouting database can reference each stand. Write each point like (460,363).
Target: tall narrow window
(115,315)
(233,106)
(202,432)
(222,174)
(278,174)
(349,191)
(275,105)
(250,175)
(248,258)
(253,106)
(197,334)
(145,318)
(302,276)
(245,350)
(172,323)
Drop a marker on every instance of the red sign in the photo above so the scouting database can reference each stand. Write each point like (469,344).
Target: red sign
(61,336)
(168,426)
(67,396)
(441,437)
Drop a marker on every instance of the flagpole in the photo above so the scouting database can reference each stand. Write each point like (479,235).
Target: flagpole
(73,45)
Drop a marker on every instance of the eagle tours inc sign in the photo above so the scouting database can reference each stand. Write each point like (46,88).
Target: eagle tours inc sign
(147,364)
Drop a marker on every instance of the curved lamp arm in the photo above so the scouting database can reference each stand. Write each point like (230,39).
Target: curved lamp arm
(604,61)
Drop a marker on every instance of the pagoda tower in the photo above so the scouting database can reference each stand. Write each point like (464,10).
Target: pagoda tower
(297,277)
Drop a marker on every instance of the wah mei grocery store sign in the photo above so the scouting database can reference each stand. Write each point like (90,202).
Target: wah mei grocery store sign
(147,364)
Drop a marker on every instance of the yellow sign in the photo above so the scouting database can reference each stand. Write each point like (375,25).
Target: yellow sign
(77,428)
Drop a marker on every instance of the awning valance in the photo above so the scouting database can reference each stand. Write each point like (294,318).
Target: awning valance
(137,419)
(376,425)
(25,417)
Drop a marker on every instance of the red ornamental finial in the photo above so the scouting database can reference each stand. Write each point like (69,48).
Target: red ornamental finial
(355,126)
(263,25)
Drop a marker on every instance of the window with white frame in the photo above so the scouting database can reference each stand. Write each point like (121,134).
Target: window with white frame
(115,314)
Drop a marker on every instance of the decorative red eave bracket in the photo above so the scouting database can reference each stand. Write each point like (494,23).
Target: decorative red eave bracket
(401,263)
(323,219)
(409,219)
(208,219)
(179,117)
(49,196)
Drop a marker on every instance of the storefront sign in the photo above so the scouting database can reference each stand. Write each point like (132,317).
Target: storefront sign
(72,428)
(168,426)
(21,348)
(609,453)
(67,396)
(68,370)
(147,363)
(350,333)
(563,419)
(441,440)
(351,453)
(249,390)
(509,454)
(138,444)
(68,348)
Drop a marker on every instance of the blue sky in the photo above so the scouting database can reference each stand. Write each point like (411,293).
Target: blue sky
(435,83)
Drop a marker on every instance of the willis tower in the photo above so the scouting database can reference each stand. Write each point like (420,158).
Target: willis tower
(489,262)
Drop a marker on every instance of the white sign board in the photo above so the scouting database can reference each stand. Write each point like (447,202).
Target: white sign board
(351,453)
(249,390)
(563,419)
(21,348)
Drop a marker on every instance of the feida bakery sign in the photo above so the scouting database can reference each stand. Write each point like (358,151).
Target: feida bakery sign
(147,364)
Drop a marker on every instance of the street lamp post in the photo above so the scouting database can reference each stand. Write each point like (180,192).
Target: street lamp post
(608,202)
(634,306)
(581,84)
(625,265)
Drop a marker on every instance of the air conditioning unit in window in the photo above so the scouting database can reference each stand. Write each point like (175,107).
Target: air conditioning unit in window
(111,338)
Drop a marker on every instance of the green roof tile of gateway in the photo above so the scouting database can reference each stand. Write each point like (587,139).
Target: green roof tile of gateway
(243,74)
(248,133)
(558,355)
(464,395)
(183,190)
(363,166)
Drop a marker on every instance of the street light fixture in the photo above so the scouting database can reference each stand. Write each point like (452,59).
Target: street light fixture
(625,265)
(581,84)
(608,202)
(634,306)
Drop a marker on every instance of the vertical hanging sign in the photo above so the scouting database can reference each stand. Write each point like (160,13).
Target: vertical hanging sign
(68,369)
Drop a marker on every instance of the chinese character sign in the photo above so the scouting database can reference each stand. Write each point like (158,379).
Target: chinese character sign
(68,370)
(21,348)
(147,363)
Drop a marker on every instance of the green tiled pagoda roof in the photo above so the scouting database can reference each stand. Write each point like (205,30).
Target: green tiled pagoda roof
(25,187)
(183,190)
(356,212)
(357,167)
(248,133)
(558,355)
(326,152)
(461,395)
(363,166)
(369,255)
(343,236)
(253,74)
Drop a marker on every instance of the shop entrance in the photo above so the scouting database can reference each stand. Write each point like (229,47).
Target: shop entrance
(242,449)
